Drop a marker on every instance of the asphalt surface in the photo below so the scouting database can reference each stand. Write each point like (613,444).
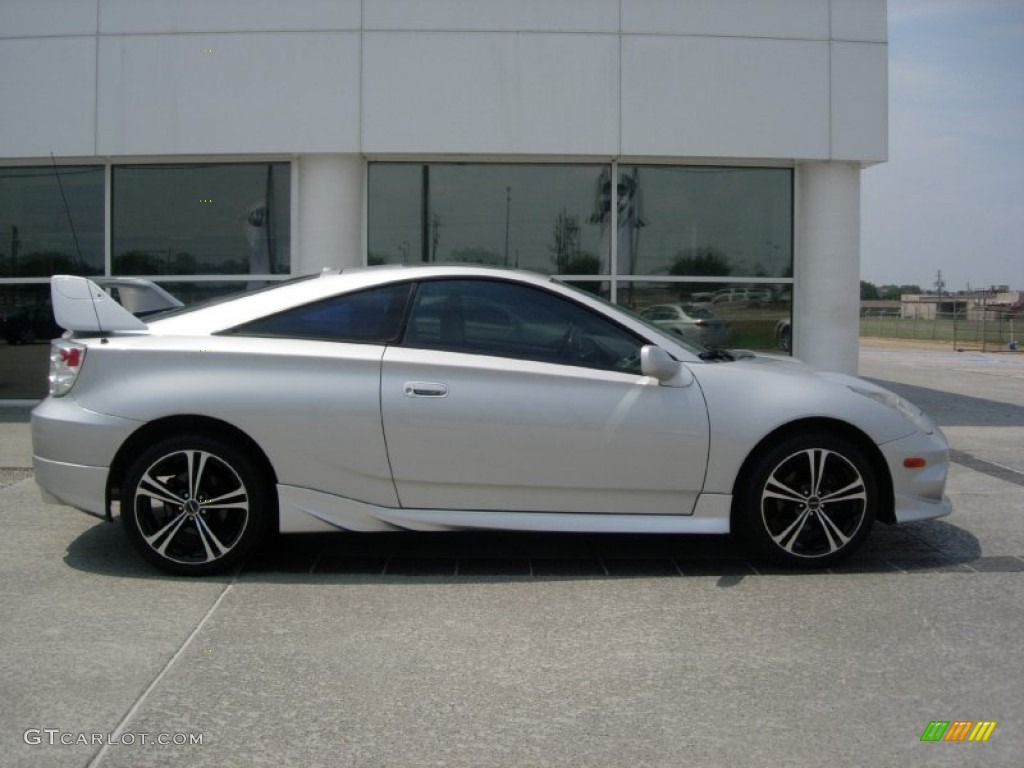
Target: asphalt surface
(499,650)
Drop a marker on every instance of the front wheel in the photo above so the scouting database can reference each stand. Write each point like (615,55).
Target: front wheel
(192,505)
(810,501)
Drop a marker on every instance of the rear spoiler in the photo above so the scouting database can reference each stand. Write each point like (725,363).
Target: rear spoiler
(81,304)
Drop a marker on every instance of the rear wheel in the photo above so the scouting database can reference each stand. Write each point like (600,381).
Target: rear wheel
(785,338)
(808,502)
(194,505)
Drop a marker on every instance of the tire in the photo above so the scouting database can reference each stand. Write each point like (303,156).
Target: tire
(808,502)
(192,505)
(786,339)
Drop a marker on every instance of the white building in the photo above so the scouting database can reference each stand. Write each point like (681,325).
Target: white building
(214,143)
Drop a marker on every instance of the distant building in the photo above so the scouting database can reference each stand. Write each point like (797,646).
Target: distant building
(991,304)
(879,308)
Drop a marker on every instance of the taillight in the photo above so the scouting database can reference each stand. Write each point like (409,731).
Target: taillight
(66,358)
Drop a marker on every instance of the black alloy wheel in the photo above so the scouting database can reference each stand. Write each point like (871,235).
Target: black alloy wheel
(193,505)
(810,501)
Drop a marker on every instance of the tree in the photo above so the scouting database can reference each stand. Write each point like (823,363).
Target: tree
(706,260)
(477,256)
(868,291)
(565,241)
(582,263)
(184,264)
(565,249)
(138,263)
(895,291)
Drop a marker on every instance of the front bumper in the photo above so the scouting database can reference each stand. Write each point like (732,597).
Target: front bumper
(919,493)
(72,450)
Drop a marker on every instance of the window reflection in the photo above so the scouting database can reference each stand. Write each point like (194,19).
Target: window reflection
(37,238)
(739,315)
(26,327)
(696,221)
(557,219)
(682,222)
(223,219)
(544,218)
(190,293)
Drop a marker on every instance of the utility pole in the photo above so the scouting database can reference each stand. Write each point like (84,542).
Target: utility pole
(939,285)
(508,207)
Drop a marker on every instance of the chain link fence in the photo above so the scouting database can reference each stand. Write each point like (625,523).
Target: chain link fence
(986,331)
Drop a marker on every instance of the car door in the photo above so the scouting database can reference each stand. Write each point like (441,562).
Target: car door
(504,396)
(312,390)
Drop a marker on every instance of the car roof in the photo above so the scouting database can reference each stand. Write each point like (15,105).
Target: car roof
(234,311)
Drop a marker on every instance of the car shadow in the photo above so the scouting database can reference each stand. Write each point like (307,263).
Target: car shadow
(477,557)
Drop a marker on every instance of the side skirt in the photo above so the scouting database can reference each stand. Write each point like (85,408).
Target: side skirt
(306,511)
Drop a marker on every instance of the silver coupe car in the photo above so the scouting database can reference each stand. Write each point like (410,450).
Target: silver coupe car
(441,398)
(697,325)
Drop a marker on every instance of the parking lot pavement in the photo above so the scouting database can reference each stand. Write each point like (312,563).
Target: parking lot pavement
(522,650)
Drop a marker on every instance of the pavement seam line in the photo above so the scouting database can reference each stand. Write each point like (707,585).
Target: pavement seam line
(116,733)
(991,468)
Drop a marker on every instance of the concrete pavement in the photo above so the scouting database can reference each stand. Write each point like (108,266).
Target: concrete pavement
(520,650)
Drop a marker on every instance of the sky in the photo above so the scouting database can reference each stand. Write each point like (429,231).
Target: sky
(951,196)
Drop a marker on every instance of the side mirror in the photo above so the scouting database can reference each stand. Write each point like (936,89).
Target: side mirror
(659,364)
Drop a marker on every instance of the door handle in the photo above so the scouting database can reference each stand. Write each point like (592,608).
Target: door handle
(425,389)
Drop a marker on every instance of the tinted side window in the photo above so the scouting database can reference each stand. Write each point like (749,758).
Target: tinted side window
(493,317)
(371,316)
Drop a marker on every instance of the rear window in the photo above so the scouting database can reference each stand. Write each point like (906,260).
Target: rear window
(370,316)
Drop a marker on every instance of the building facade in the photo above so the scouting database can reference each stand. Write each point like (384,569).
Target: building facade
(706,154)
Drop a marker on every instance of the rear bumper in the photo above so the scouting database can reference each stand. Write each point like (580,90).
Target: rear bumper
(72,450)
(82,487)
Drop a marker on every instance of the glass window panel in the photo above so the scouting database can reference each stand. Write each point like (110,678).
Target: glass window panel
(598,288)
(745,316)
(493,317)
(192,293)
(218,219)
(36,235)
(372,316)
(696,221)
(26,327)
(545,218)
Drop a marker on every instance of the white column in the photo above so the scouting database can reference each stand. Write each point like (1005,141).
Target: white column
(826,300)
(331,212)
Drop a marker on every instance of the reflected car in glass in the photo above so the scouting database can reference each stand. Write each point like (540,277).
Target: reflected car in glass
(453,398)
(27,325)
(784,335)
(697,325)
(737,298)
